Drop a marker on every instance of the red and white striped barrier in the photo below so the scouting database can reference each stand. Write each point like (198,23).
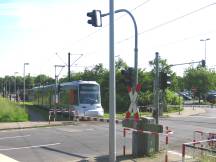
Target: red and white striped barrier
(76,117)
(203,135)
(167,133)
(193,145)
(208,137)
(124,140)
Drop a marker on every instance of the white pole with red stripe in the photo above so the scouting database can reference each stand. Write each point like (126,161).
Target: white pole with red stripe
(124,140)
(166,155)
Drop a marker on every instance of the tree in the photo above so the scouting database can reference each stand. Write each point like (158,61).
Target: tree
(201,80)
(43,80)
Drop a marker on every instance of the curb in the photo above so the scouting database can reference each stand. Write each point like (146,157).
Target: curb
(60,123)
(87,118)
(38,125)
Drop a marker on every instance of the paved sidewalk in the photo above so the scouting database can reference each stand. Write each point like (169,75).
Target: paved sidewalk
(160,157)
(188,111)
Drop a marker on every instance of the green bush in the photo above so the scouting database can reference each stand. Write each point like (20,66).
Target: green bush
(11,112)
(145,98)
(172,98)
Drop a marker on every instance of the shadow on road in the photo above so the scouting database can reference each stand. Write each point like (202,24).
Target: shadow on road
(63,152)
(105,158)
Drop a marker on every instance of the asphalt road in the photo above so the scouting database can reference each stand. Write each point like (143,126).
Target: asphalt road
(184,127)
(91,139)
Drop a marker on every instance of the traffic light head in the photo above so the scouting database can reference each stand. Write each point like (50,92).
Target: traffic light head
(128,76)
(59,88)
(203,63)
(95,18)
(165,80)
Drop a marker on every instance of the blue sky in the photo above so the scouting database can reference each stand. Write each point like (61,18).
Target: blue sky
(35,30)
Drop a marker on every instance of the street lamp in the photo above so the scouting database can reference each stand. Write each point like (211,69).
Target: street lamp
(15,91)
(24,83)
(204,40)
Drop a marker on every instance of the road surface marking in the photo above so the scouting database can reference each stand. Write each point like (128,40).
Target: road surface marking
(75,130)
(178,154)
(16,130)
(27,147)
(5,158)
(207,117)
(2,138)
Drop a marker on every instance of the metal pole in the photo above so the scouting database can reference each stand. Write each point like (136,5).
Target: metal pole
(15,86)
(205,50)
(55,85)
(112,88)
(24,86)
(157,86)
(205,46)
(69,67)
(9,88)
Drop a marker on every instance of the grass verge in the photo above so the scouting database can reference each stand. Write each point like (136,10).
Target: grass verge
(11,112)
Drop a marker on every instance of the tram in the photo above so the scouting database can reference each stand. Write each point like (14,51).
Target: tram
(83,97)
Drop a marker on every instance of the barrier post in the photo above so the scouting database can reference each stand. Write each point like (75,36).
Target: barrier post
(183,152)
(124,140)
(49,116)
(69,113)
(166,155)
(54,115)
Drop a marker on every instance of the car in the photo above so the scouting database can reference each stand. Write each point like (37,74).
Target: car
(211,97)
(185,95)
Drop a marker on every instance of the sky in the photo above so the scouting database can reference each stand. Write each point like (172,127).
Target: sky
(43,32)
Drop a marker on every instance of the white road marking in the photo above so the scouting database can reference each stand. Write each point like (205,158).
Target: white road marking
(178,154)
(207,117)
(27,147)
(17,130)
(75,130)
(175,153)
(5,158)
(2,138)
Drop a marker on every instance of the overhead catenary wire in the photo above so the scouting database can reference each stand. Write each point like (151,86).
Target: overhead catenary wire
(168,22)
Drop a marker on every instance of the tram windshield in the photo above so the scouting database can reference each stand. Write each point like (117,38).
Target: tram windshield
(89,94)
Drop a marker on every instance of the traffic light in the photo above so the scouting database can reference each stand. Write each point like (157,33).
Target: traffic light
(165,80)
(128,76)
(203,63)
(59,88)
(95,18)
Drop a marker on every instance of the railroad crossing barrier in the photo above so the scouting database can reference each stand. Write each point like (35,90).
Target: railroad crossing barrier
(61,111)
(201,135)
(145,138)
(53,112)
(203,146)
(154,134)
(201,150)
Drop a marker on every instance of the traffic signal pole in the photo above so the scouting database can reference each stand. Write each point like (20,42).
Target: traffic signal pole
(135,43)
(94,21)
(156,88)
(112,88)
